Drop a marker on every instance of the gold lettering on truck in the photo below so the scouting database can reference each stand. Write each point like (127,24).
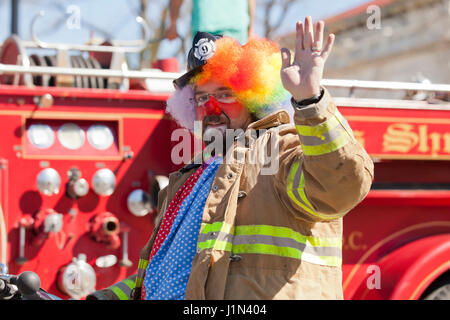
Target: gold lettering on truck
(402,137)
(423,138)
(399,137)
(435,143)
(446,138)
(354,241)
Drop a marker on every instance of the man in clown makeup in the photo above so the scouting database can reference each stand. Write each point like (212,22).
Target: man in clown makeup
(227,230)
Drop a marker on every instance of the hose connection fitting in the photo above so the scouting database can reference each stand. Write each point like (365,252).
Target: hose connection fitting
(105,228)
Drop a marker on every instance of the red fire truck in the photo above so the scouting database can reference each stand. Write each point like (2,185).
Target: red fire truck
(397,241)
(86,146)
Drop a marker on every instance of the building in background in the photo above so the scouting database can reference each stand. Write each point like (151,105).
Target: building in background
(389,40)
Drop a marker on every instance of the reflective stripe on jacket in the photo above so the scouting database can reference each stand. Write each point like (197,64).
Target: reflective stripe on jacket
(121,290)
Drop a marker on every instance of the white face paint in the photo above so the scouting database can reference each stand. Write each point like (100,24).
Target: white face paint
(211,129)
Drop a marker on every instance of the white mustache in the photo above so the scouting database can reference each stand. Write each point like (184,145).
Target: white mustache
(212,129)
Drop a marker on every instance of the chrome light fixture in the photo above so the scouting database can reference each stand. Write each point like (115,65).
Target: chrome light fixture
(100,136)
(48,181)
(104,182)
(138,203)
(77,186)
(71,136)
(41,136)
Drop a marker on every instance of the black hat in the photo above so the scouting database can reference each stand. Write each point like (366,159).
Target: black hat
(203,48)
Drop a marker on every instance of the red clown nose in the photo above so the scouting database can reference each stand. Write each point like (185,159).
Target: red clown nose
(213,107)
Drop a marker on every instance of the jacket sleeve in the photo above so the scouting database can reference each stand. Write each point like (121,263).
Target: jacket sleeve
(119,291)
(323,171)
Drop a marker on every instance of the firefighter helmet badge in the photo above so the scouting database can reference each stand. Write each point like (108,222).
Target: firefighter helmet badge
(204,49)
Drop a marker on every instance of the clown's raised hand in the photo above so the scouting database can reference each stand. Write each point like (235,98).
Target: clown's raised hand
(302,77)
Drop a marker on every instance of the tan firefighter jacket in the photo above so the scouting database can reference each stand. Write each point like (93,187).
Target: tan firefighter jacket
(273,235)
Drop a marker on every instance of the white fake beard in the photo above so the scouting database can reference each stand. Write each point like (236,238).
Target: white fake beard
(210,130)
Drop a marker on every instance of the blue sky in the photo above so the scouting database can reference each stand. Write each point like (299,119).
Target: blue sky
(116,18)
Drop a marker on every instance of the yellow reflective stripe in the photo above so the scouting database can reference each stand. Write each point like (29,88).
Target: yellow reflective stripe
(144,263)
(142,266)
(268,249)
(286,252)
(311,241)
(320,129)
(119,293)
(303,202)
(215,227)
(213,243)
(290,189)
(344,124)
(259,248)
(334,145)
(216,244)
(129,283)
(273,231)
(266,230)
(324,260)
(301,191)
(207,227)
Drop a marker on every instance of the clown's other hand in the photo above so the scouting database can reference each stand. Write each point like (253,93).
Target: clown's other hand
(302,77)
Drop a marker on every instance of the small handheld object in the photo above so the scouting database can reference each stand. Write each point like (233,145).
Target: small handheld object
(26,286)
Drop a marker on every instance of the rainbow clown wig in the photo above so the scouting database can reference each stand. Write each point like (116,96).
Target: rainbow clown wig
(252,71)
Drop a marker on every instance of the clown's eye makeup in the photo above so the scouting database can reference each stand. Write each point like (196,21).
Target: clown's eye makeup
(225,96)
(201,98)
(221,96)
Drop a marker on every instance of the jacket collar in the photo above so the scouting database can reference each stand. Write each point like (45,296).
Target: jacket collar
(274,119)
